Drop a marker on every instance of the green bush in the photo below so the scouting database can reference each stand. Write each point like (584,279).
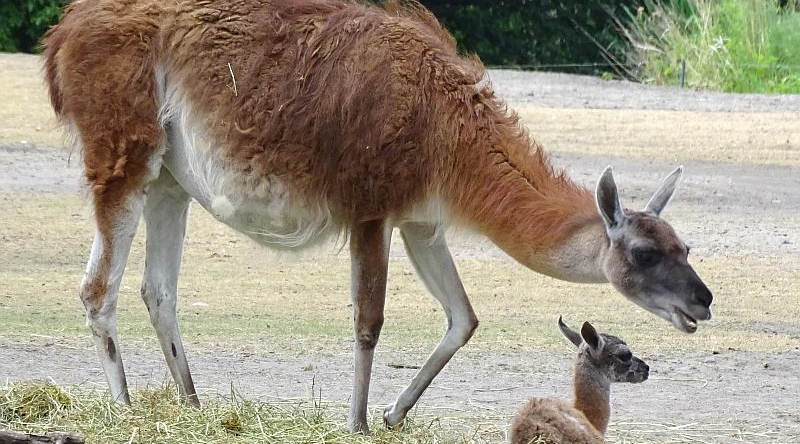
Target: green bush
(728,45)
(546,34)
(523,33)
(22,22)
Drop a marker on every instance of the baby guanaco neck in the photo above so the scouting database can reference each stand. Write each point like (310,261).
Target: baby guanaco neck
(592,395)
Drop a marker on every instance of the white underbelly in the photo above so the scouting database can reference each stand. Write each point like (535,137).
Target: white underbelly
(264,208)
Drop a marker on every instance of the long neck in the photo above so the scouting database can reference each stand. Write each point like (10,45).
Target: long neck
(508,190)
(592,396)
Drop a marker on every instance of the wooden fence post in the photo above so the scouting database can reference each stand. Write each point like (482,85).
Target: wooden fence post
(12,437)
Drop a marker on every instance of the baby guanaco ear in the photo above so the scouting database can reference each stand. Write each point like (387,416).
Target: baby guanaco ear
(592,338)
(608,203)
(573,337)
(664,194)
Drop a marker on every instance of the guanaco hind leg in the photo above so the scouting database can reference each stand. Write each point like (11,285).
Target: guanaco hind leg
(166,211)
(100,288)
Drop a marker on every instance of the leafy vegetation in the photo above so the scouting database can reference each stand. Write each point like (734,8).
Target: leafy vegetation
(550,33)
(558,35)
(727,45)
(23,22)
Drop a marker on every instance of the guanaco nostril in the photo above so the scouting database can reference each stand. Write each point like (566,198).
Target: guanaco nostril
(638,375)
(704,295)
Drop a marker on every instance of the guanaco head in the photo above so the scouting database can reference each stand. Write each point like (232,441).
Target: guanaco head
(646,261)
(608,356)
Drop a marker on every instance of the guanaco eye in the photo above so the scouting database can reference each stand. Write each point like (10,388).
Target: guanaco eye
(645,257)
(625,356)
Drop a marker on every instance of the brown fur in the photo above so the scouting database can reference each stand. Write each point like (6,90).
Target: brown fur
(368,111)
(590,398)
(543,419)
(116,117)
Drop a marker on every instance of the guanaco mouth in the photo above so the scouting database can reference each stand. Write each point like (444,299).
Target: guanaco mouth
(683,321)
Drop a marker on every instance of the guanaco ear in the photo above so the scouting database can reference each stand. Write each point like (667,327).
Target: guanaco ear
(664,194)
(608,203)
(573,337)
(592,338)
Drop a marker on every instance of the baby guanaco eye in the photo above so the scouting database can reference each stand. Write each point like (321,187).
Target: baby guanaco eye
(625,356)
(645,257)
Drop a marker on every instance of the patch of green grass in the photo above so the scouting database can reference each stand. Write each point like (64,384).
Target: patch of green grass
(728,45)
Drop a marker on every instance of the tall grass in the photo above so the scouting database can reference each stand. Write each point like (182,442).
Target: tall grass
(728,45)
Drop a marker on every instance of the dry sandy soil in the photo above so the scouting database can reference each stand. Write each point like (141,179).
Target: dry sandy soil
(729,203)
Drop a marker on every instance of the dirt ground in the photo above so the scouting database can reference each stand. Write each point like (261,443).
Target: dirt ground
(747,207)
